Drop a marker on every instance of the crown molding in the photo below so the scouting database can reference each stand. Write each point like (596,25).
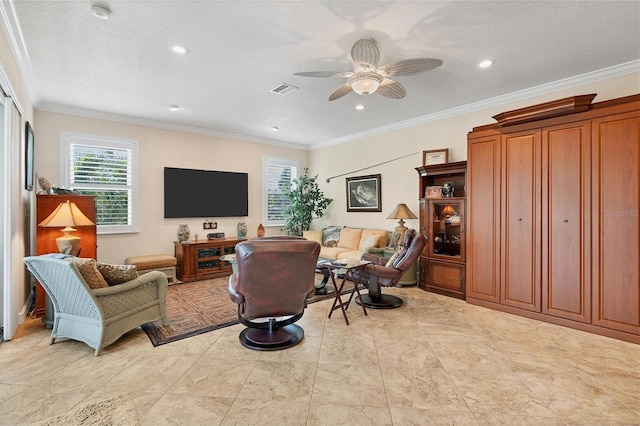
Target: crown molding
(98,115)
(543,89)
(9,22)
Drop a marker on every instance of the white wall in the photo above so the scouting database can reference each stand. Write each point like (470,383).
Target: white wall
(399,178)
(160,148)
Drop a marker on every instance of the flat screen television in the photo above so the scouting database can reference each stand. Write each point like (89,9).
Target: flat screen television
(205,193)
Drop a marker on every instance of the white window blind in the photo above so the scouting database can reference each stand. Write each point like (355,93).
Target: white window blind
(106,169)
(278,174)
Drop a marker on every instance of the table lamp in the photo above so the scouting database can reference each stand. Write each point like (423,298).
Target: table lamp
(448,211)
(401,212)
(67,215)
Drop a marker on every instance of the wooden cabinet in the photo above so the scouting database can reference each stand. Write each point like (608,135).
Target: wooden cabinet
(442,222)
(553,215)
(201,260)
(46,237)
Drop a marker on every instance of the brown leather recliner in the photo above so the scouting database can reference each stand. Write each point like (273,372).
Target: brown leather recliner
(375,275)
(274,279)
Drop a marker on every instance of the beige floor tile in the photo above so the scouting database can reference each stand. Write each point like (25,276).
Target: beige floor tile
(348,384)
(415,416)
(430,389)
(187,410)
(276,380)
(213,377)
(38,403)
(350,349)
(324,414)
(292,411)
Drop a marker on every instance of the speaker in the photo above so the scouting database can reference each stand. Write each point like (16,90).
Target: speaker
(215,235)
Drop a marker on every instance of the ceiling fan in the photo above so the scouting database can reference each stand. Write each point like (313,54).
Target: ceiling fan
(367,77)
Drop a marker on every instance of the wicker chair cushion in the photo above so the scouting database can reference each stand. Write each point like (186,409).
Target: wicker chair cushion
(117,274)
(151,261)
(89,271)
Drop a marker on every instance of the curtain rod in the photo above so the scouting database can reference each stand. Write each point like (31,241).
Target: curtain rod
(375,165)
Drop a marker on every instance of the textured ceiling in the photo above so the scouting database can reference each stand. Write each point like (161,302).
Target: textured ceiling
(240,50)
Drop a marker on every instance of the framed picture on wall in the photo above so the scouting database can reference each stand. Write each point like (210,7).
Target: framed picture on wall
(363,194)
(435,156)
(28,157)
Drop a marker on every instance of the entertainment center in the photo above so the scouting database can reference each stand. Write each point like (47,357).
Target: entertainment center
(200,260)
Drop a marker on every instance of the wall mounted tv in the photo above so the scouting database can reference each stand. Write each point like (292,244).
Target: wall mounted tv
(205,193)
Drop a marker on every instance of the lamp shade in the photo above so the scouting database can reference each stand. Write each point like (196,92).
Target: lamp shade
(448,210)
(365,82)
(402,212)
(67,215)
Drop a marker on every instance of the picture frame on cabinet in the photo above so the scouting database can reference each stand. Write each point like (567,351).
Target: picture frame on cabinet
(435,156)
(364,194)
(432,192)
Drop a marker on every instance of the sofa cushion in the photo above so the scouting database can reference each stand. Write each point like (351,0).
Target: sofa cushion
(381,232)
(350,238)
(331,235)
(89,271)
(117,274)
(332,253)
(313,236)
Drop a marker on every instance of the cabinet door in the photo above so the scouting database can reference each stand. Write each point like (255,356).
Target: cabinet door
(615,223)
(483,219)
(520,286)
(565,221)
(446,278)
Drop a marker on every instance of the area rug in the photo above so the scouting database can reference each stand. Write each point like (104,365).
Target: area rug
(199,307)
(118,411)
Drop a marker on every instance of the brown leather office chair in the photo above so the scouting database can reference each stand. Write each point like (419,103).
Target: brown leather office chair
(274,279)
(377,274)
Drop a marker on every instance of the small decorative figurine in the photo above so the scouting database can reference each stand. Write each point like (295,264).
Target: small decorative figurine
(446,190)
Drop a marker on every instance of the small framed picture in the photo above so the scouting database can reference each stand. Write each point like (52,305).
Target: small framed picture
(432,192)
(435,156)
(363,194)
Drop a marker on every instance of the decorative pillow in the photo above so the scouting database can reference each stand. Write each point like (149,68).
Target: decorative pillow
(369,242)
(331,234)
(89,271)
(117,274)
(391,260)
(381,232)
(313,236)
(350,238)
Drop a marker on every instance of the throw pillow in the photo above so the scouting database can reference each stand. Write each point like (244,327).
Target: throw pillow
(367,243)
(391,260)
(313,236)
(331,234)
(350,238)
(381,232)
(89,272)
(117,274)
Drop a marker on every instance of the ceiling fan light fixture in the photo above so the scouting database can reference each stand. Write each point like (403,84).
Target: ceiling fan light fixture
(365,83)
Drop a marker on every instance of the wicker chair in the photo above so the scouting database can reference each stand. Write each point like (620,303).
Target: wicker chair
(97,317)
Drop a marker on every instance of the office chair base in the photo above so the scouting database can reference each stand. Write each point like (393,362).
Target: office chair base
(385,301)
(262,340)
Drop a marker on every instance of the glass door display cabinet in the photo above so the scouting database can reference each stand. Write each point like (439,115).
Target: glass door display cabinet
(442,221)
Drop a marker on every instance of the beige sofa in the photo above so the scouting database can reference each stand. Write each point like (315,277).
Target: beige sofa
(352,244)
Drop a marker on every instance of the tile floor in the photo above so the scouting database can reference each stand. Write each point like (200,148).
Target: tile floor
(436,360)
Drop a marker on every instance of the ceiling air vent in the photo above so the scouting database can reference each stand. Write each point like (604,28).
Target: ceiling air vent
(284,89)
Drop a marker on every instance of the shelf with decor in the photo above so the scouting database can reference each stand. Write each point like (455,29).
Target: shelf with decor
(442,192)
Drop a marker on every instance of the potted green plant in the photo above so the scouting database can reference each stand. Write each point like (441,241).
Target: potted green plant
(307,203)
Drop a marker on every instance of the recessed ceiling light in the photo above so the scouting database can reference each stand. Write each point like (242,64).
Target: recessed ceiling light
(360,107)
(486,63)
(275,128)
(174,108)
(180,50)
(100,11)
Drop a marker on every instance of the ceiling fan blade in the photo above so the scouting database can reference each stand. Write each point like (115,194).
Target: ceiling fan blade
(365,55)
(409,67)
(391,89)
(341,91)
(324,74)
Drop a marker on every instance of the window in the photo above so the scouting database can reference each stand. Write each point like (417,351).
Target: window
(278,174)
(106,169)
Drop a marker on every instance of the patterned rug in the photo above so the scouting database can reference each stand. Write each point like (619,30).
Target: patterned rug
(199,307)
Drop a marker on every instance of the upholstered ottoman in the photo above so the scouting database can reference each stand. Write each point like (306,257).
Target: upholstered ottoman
(155,262)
